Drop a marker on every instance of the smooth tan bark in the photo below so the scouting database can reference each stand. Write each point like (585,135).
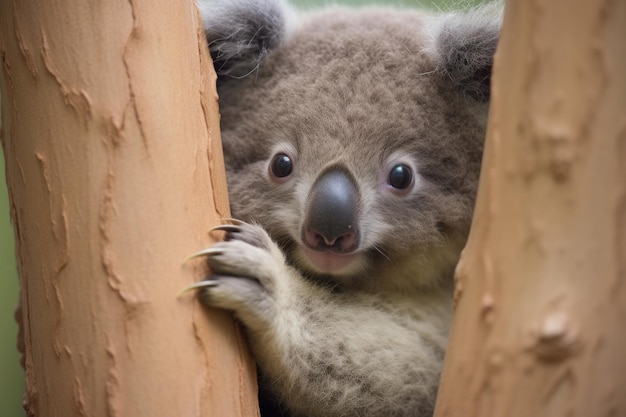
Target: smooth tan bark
(115,173)
(541,288)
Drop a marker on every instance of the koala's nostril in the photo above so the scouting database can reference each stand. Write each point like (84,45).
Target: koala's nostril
(313,238)
(345,242)
(316,240)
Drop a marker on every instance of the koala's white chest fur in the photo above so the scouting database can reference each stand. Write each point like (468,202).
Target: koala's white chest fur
(366,354)
(352,142)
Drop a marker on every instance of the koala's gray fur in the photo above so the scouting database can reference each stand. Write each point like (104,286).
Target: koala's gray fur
(355,324)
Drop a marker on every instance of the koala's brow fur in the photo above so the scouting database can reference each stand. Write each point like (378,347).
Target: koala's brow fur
(360,90)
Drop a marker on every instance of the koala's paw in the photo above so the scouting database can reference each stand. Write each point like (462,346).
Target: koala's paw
(244,268)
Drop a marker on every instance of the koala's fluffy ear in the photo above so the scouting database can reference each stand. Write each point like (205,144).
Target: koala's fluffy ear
(462,45)
(241,33)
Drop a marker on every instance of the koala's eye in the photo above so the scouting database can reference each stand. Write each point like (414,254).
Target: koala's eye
(281,165)
(400,176)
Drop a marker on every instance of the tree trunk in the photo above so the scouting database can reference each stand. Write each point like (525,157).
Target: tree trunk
(541,288)
(115,174)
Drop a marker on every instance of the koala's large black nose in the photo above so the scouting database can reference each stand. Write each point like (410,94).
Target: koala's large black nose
(332,213)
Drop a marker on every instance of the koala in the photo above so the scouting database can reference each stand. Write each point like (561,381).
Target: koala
(353,140)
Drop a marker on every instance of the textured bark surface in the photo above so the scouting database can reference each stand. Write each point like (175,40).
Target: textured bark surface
(115,174)
(541,288)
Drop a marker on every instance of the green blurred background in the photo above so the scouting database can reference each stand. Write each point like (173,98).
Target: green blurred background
(11,374)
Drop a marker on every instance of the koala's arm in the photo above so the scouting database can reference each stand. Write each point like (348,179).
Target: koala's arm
(324,352)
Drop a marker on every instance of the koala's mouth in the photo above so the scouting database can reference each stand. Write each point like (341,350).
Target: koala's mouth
(329,262)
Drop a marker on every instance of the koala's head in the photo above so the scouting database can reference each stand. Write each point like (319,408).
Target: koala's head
(354,136)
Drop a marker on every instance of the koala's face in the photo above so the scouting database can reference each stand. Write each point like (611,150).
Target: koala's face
(350,147)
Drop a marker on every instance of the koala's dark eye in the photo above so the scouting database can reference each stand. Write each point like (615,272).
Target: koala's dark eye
(400,177)
(281,165)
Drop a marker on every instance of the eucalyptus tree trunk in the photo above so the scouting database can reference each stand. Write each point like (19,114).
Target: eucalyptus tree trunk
(115,174)
(539,326)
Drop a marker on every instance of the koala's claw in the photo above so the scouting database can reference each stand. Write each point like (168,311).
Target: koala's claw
(200,284)
(251,234)
(233,231)
(229,228)
(245,261)
(250,301)
(203,252)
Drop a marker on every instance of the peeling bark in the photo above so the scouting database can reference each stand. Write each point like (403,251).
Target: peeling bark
(115,175)
(540,294)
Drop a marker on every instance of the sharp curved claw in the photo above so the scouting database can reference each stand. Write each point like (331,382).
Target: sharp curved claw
(203,252)
(199,284)
(231,228)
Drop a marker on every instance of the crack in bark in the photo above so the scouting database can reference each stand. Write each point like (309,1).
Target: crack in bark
(112,385)
(133,35)
(79,397)
(106,213)
(13,122)
(21,43)
(223,212)
(79,100)
(206,386)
